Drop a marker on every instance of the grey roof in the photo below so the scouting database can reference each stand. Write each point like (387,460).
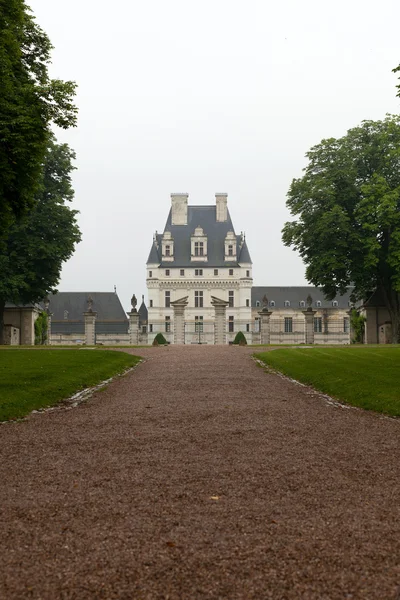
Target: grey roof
(376,299)
(296,294)
(244,256)
(143,312)
(205,217)
(106,304)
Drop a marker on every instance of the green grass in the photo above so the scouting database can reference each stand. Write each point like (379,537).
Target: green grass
(32,380)
(368,377)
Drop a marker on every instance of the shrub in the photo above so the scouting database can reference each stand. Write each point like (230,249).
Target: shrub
(159,340)
(240,339)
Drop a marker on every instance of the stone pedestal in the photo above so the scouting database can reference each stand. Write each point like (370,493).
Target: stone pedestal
(48,339)
(179,319)
(220,319)
(309,325)
(133,327)
(265,327)
(90,327)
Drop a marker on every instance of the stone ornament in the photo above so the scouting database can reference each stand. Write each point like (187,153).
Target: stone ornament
(133,303)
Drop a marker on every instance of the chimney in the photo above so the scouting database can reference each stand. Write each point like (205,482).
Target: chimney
(221,201)
(179,204)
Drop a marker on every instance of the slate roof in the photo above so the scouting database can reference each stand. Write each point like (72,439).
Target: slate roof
(111,317)
(143,312)
(296,294)
(205,217)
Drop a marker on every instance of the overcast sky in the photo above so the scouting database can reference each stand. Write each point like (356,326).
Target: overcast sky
(205,97)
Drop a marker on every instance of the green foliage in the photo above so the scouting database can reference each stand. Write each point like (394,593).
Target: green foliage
(34,379)
(396,70)
(240,339)
(357,322)
(41,328)
(32,254)
(359,375)
(29,103)
(159,340)
(347,206)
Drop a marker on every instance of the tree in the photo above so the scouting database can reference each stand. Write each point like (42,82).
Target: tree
(41,328)
(240,339)
(348,209)
(32,253)
(159,340)
(396,70)
(29,103)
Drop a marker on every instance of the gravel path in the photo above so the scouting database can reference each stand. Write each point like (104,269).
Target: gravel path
(200,476)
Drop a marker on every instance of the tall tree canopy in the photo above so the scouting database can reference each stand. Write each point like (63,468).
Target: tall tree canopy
(32,253)
(347,206)
(29,102)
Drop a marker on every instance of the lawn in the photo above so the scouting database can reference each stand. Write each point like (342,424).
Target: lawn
(362,376)
(31,380)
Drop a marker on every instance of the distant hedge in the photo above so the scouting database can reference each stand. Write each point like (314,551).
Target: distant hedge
(159,340)
(240,339)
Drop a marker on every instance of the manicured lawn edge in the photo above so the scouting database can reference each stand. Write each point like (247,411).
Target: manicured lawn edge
(33,381)
(368,378)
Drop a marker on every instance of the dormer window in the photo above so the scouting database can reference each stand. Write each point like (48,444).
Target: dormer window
(287,303)
(302,304)
(167,247)
(272,303)
(230,246)
(199,248)
(318,304)
(335,304)
(199,245)
(257,303)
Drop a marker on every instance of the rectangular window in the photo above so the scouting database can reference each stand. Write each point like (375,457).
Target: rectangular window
(318,324)
(167,250)
(230,250)
(215,271)
(230,271)
(231,297)
(198,299)
(288,324)
(199,248)
(198,324)
(231,325)
(247,273)
(247,302)
(150,328)
(198,272)
(248,327)
(167,324)
(346,324)
(151,303)
(257,325)
(182,272)
(167,299)
(167,272)
(150,274)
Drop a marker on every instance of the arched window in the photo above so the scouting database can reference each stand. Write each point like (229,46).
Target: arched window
(335,304)
(272,303)
(257,303)
(287,303)
(302,303)
(318,303)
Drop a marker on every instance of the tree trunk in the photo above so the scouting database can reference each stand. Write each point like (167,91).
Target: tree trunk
(2,307)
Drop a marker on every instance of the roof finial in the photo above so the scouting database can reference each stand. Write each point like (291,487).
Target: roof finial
(115,289)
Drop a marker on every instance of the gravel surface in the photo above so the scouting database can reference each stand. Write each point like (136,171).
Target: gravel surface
(198,475)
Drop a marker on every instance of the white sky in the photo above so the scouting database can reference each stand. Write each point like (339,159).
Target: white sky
(205,97)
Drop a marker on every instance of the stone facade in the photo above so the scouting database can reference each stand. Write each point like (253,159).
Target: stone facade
(197,257)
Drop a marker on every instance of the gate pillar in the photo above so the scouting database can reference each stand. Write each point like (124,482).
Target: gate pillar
(265,326)
(309,325)
(220,319)
(179,319)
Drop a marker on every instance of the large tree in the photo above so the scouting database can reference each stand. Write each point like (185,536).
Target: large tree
(30,101)
(347,209)
(32,253)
